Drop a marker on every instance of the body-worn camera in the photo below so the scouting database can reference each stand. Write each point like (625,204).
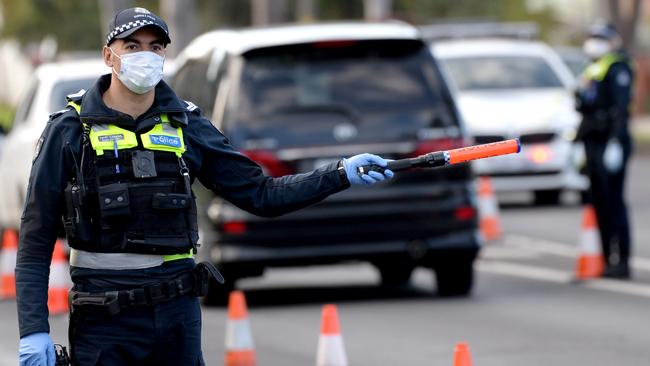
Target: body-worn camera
(144,164)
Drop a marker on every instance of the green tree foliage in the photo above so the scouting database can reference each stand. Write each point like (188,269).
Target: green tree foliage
(427,11)
(74,23)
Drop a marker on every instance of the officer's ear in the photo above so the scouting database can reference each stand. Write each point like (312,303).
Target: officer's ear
(108,56)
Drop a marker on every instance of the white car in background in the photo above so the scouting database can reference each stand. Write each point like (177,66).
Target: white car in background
(46,94)
(507,88)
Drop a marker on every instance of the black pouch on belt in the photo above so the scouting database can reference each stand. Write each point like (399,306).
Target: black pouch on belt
(105,303)
(202,274)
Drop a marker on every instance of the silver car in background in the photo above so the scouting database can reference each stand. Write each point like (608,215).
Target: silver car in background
(508,88)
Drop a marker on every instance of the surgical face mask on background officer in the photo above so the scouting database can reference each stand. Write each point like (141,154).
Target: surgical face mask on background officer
(137,61)
(597,47)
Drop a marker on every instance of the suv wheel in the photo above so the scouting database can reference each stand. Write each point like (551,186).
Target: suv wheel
(395,274)
(218,293)
(455,277)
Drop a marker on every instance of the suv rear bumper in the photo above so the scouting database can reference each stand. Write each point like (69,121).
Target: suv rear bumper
(568,179)
(225,254)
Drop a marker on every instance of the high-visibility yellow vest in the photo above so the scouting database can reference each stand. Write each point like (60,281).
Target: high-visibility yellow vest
(162,137)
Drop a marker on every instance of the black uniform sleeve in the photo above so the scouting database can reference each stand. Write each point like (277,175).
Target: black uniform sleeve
(38,231)
(619,80)
(241,181)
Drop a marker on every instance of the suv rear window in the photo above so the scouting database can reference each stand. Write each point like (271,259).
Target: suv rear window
(296,94)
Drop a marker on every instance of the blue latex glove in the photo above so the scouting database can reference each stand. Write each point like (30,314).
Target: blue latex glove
(36,349)
(352,164)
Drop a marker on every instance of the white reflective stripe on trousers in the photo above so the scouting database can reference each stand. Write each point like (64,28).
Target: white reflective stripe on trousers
(83,259)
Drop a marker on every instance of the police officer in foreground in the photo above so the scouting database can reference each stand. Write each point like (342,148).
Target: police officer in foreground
(117,165)
(603,97)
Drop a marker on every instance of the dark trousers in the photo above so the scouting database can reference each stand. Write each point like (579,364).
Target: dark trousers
(165,334)
(606,194)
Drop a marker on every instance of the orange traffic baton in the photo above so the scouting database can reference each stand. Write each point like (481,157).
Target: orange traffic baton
(449,157)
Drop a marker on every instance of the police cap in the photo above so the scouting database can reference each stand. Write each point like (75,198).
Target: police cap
(603,30)
(127,21)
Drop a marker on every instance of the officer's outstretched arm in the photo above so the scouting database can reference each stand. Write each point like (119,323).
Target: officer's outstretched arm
(241,181)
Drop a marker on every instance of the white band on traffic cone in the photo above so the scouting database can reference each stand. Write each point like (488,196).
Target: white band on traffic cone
(238,335)
(331,351)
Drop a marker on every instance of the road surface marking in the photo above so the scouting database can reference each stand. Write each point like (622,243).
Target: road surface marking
(525,271)
(562,277)
(562,249)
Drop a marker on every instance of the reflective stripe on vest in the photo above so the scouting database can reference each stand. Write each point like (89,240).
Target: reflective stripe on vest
(162,137)
(92,260)
(108,137)
(103,137)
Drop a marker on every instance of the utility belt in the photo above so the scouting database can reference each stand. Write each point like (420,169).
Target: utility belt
(190,283)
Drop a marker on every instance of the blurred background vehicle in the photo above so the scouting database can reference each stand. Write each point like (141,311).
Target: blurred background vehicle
(574,58)
(45,95)
(509,88)
(296,97)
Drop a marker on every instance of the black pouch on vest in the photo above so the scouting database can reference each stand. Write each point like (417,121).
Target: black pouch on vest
(114,200)
(170,201)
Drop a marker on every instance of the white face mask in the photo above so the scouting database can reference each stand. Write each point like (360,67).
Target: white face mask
(140,71)
(596,48)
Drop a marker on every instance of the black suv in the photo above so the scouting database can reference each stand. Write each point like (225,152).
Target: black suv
(295,97)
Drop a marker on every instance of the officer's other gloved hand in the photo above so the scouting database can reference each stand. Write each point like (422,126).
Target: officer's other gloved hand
(352,164)
(36,349)
(613,156)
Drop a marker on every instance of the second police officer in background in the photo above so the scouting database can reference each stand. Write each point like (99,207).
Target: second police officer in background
(118,165)
(603,97)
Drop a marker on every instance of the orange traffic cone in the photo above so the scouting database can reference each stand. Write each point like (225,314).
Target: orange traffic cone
(239,340)
(330,344)
(8,264)
(462,356)
(60,283)
(488,210)
(590,263)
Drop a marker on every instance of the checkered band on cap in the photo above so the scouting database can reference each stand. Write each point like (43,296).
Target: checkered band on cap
(125,27)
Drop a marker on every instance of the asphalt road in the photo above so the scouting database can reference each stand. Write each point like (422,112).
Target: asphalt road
(525,309)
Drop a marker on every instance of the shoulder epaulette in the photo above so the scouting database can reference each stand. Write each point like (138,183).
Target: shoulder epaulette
(191,107)
(59,113)
(76,97)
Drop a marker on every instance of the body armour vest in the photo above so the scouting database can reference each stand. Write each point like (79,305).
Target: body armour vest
(132,194)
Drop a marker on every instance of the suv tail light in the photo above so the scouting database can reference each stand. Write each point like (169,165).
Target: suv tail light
(234,227)
(269,162)
(464,213)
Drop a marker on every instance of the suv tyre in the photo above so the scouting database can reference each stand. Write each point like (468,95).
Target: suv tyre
(395,274)
(455,276)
